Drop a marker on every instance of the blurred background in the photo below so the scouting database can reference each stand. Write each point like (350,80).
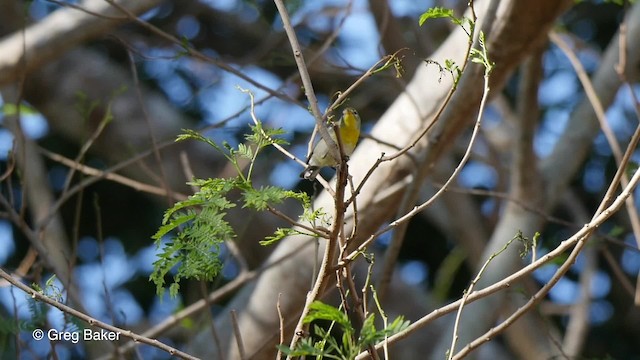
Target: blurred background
(143,89)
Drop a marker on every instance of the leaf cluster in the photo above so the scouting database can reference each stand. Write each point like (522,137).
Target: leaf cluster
(197,227)
(467,24)
(38,312)
(325,345)
(440,12)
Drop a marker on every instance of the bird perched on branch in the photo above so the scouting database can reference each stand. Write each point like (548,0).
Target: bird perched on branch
(349,128)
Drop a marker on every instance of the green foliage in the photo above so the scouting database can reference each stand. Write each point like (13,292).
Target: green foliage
(198,226)
(50,289)
(8,326)
(450,67)
(392,61)
(527,244)
(632,167)
(481,56)
(38,311)
(322,311)
(185,48)
(454,69)
(374,336)
(278,235)
(196,246)
(261,199)
(325,344)
(468,25)
(440,12)
(437,13)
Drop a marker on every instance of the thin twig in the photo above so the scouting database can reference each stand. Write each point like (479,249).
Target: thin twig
(603,212)
(618,273)
(315,231)
(106,119)
(429,124)
(152,137)
(107,175)
(602,119)
(440,191)
(306,79)
(281,323)
(238,335)
(569,243)
(359,305)
(215,296)
(330,251)
(197,54)
(470,289)
(621,71)
(210,317)
(92,321)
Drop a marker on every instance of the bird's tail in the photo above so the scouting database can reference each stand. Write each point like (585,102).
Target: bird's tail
(310,172)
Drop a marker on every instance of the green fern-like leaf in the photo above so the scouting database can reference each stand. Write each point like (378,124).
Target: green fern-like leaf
(399,324)
(189,134)
(321,311)
(201,227)
(305,347)
(262,137)
(197,225)
(173,223)
(245,151)
(369,335)
(278,235)
(261,199)
(38,312)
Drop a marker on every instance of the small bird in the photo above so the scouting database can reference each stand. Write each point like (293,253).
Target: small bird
(349,127)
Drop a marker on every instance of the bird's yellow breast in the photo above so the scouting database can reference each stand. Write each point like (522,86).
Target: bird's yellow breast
(350,129)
